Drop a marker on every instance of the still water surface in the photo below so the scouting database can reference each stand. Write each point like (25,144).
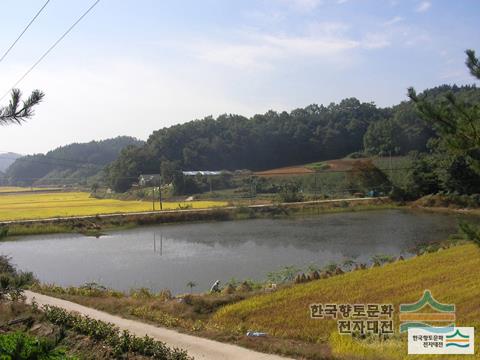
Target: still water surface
(169,256)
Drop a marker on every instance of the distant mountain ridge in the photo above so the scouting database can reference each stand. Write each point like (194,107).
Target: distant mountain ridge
(73,164)
(7,159)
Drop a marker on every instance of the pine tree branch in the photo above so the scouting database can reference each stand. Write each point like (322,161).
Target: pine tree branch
(17,110)
(473,63)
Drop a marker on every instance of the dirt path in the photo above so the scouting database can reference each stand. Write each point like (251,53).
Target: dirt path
(197,347)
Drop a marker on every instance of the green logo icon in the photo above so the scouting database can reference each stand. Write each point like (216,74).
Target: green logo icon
(410,315)
(458,340)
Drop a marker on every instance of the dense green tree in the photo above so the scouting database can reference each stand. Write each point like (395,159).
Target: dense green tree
(455,174)
(456,119)
(423,177)
(273,139)
(365,176)
(382,138)
(232,142)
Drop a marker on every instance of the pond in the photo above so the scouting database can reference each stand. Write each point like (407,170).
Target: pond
(169,256)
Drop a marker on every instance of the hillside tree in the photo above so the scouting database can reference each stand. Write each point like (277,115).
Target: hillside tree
(456,120)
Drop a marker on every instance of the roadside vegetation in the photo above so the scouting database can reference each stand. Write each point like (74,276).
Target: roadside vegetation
(50,333)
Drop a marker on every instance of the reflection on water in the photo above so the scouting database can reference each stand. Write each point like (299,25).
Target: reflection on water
(169,256)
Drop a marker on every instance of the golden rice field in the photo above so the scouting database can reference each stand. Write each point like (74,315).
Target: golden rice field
(4,189)
(452,276)
(48,205)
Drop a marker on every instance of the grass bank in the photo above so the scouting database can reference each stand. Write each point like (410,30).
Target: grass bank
(451,275)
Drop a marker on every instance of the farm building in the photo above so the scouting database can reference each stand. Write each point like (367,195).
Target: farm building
(202,173)
(149,179)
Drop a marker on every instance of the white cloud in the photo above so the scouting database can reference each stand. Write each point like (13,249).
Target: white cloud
(417,39)
(115,97)
(261,50)
(303,5)
(423,6)
(393,21)
(375,41)
(323,41)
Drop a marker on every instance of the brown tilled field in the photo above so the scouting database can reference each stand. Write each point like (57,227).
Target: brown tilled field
(341,164)
(333,165)
(286,171)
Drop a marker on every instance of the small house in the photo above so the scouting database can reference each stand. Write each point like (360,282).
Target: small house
(149,180)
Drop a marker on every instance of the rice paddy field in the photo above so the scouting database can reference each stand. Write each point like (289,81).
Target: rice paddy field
(451,275)
(69,204)
(7,189)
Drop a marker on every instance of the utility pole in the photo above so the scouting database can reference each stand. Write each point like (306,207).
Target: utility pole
(160,188)
(160,197)
(153,197)
(391,170)
(252,191)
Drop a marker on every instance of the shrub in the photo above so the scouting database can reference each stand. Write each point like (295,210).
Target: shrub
(470,232)
(290,192)
(20,346)
(141,293)
(356,155)
(87,290)
(13,282)
(3,232)
(122,343)
(381,259)
(450,200)
(364,175)
(287,274)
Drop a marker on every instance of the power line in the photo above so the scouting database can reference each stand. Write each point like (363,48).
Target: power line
(24,30)
(51,48)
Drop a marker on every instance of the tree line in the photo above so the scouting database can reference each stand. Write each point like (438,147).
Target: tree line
(275,139)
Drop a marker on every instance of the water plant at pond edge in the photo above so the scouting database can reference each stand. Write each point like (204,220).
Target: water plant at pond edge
(121,342)
(382,259)
(286,274)
(3,231)
(470,232)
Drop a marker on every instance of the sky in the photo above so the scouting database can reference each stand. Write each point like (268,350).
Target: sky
(131,67)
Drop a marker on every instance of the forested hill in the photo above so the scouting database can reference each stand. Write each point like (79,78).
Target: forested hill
(70,164)
(279,139)
(6,159)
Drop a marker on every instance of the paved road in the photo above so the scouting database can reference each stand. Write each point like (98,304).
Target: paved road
(197,347)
